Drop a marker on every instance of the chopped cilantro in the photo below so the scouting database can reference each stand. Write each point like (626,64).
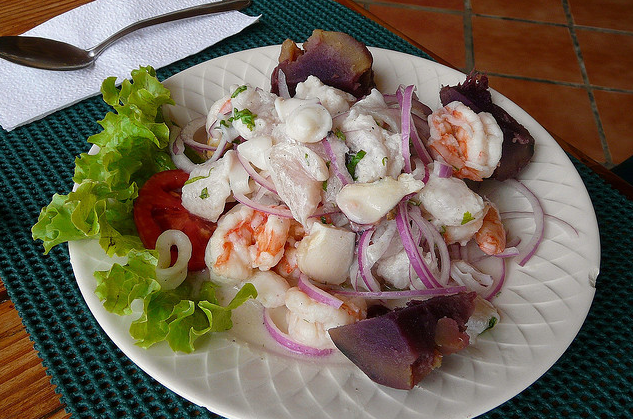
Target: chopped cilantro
(491,323)
(324,185)
(197,178)
(467,217)
(323,219)
(247,117)
(384,160)
(238,91)
(194,179)
(204,194)
(353,162)
(339,134)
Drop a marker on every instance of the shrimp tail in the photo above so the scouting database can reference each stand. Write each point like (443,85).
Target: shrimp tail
(491,237)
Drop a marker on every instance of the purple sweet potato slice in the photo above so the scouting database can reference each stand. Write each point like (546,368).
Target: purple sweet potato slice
(336,58)
(518,143)
(399,348)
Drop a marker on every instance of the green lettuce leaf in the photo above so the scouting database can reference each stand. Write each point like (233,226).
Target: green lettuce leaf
(122,284)
(132,147)
(180,317)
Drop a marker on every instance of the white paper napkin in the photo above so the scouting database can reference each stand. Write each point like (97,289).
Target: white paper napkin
(28,94)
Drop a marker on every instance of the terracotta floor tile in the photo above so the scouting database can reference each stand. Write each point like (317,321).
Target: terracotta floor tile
(615,111)
(610,14)
(608,58)
(564,110)
(440,4)
(539,10)
(442,33)
(525,49)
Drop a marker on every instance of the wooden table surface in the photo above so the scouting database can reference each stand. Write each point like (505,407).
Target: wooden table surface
(25,389)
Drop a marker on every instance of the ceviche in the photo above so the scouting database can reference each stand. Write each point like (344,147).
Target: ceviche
(355,217)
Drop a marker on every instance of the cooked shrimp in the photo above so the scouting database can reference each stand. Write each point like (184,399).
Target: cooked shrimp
(491,237)
(288,266)
(309,320)
(271,288)
(470,142)
(245,239)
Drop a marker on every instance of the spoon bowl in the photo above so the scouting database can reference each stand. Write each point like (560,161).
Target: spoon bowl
(49,54)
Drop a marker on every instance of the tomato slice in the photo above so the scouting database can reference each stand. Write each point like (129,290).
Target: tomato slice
(158,208)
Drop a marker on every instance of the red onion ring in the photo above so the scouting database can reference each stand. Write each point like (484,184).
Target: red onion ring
(569,229)
(177,152)
(279,212)
(286,341)
(393,295)
(364,268)
(402,221)
(189,131)
(254,174)
(442,170)
(498,281)
(539,219)
(436,241)
(316,293)
(282,84)
(342,175)
(405,95)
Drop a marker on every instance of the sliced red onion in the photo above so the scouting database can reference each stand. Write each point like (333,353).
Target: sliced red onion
(508,252)
(393,295)
(539,220)
(569,229)
(266,209)
(442,170)
(289,343)
(342,175)
(222,145)
(283,85)
(472,278)
(499,280)
(178,156)
(316,293)
(405,95)
(390,99)
(364,267)
(418,144)
(279,212)
(254,174)
(436,241)
(188,134)
(419,109)
(404,228)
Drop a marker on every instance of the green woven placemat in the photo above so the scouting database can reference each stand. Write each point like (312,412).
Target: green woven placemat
(592,379)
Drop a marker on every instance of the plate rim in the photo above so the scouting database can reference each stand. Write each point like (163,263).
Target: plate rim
(91,299)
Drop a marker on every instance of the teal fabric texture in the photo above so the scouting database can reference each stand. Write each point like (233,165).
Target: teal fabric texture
(593,379)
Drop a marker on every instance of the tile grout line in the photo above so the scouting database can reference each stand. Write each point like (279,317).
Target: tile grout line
(583,70)
(469,49)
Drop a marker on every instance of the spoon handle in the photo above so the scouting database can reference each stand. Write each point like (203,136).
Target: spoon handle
(203,9)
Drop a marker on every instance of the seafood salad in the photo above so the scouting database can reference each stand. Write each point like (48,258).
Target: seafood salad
(340,214)
(332,205)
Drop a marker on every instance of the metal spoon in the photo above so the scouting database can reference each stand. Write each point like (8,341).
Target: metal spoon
(49,54)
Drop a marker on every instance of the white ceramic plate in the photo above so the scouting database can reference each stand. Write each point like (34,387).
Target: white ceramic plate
(542,306)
